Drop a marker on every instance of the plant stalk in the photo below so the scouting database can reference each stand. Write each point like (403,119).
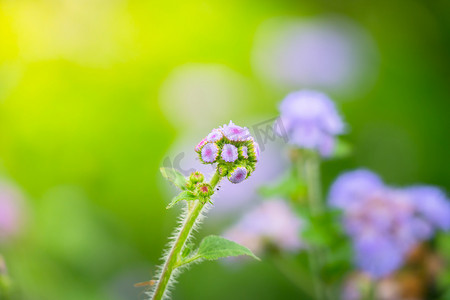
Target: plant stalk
(312,174)
(174,255)
(310,168)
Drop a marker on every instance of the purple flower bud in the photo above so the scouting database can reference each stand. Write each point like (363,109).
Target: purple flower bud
(257,151)
(200,145)
(422,228)
(253,149)
(215,136)
(311,121)
(229,153)
(237,149)
(235,133)
(222,169)
(210,152)
(237,175)
(243,151)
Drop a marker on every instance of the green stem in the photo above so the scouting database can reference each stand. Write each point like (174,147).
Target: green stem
(371,290)
(309,167)
(215,180)
(172,260)
(312,173)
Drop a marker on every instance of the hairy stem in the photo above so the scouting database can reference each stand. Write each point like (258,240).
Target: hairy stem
(174,255)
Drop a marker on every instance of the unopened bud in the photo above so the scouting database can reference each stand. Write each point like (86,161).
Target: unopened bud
(238,174)
(200,145)
(222,169)
(229,153)
(204,190)
(196,177)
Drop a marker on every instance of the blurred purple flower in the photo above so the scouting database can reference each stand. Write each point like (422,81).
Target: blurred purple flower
(192,89)
(350,187)
(270,222)
(378,255)
(385,223)
(432,203)
(358,284)
(311,120)
(327,53)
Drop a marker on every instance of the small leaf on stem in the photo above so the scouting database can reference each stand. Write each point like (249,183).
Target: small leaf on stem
(214,247)
(185,195)
(175,177)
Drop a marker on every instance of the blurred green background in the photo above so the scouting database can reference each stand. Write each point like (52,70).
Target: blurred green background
(88,111)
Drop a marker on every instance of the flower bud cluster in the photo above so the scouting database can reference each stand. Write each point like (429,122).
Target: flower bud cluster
(233,149)
(200,188)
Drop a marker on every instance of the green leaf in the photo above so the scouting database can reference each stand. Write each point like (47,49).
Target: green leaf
(175,177)
(214,247)
(185,195)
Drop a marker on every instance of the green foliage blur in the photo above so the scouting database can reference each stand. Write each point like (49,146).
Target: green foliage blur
(83,132)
